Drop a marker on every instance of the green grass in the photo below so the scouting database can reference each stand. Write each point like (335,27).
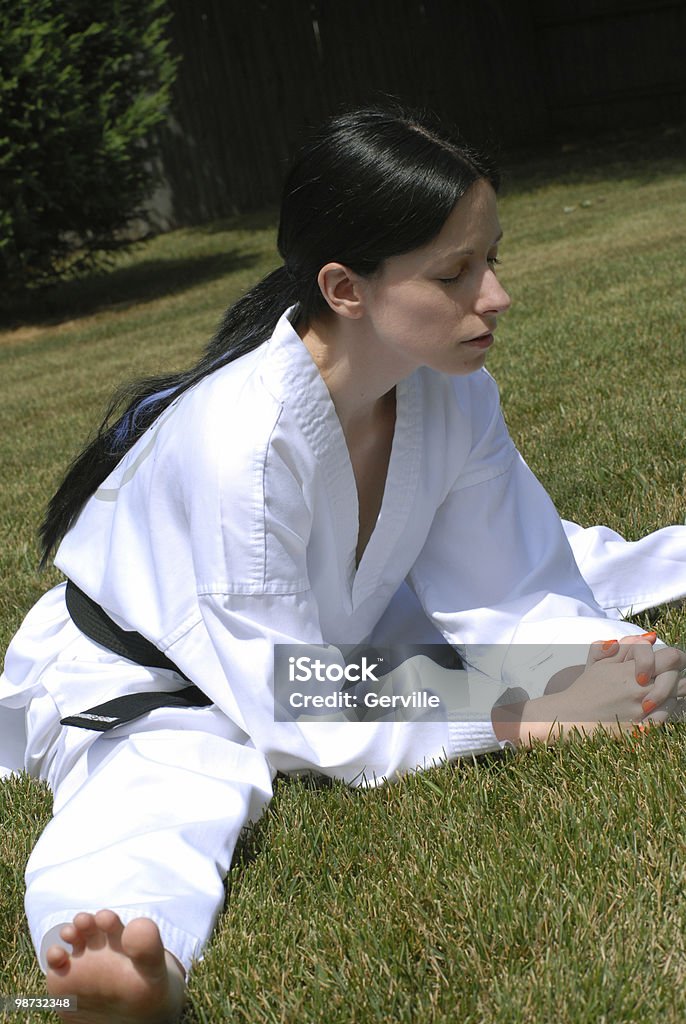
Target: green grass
(505,891)
(546,886)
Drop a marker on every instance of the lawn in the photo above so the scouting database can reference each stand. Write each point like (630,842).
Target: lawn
(546,886)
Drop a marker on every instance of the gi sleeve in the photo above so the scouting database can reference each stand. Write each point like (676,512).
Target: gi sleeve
(497,574)
(627,577)
(244,633)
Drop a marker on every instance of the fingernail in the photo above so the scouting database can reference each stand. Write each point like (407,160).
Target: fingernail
(607,644)
(650,637)
(642,678)
(648,706)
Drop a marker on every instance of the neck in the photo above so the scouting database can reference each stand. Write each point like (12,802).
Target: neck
(360,390)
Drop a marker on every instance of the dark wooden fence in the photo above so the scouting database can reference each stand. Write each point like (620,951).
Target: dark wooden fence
(254,72)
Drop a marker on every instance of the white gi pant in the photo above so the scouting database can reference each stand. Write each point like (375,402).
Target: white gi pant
(147,816)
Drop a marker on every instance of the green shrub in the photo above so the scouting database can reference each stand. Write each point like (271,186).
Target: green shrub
(81,87)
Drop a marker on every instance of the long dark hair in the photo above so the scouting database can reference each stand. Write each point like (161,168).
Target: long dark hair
(369,184)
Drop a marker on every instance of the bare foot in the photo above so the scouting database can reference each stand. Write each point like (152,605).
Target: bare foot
(118,974)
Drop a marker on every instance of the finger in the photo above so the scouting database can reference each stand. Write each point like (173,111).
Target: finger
(642,654)
(670,658)
(601,649)
(662,693)
(635,638)
(661,714)
(639,638)
(670,663)
(650,707)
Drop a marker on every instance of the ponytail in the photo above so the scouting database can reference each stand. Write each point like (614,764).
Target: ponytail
(135,406)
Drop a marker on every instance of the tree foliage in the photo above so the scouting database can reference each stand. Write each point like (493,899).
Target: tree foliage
(81,87)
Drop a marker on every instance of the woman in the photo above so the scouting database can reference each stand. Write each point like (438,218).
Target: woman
(339,437)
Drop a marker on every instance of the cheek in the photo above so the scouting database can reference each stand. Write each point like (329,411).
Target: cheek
(406,311)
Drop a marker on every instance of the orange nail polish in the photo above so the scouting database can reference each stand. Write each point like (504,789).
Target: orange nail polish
(648,706)
(642,678)
(607,644)
(650,637)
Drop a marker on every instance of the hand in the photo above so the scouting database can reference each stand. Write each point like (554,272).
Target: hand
(622,683)
(658,671)
(638,648)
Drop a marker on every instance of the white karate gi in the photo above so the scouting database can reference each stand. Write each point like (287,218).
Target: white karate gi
(231,526)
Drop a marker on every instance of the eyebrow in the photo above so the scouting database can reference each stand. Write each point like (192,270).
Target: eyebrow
(468,252)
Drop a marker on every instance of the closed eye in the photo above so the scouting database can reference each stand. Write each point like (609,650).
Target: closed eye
(492,261)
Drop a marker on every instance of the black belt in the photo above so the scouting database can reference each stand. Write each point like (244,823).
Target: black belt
(96,624)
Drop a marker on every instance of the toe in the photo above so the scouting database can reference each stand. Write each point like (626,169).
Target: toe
(57,958)
(85,923)
(141,941)
(88,933)
(109,922)
(111,928)
(69,933)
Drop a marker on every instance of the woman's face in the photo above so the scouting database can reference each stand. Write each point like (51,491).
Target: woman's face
(438,305)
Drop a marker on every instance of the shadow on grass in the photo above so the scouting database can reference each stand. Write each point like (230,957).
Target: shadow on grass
(143,281)
(640,155)
(257,220)
(120,287)
(253,838)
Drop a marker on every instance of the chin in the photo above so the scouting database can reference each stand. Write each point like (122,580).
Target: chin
(471,367)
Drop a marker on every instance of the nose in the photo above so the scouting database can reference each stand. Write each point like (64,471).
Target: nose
(492,296)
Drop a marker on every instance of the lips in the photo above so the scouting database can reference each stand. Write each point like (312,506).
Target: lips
(481,341)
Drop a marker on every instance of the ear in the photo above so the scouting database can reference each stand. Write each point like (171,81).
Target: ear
(340,287)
